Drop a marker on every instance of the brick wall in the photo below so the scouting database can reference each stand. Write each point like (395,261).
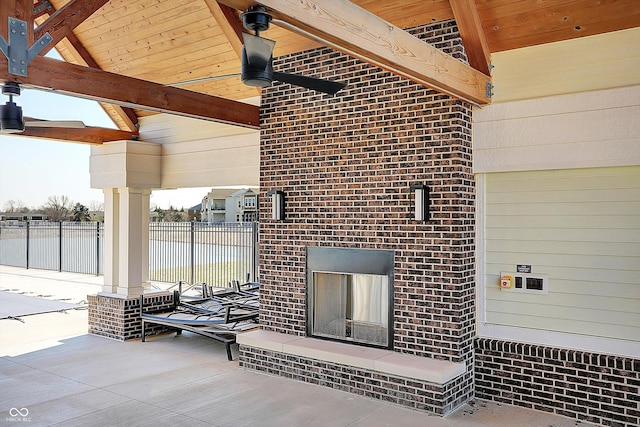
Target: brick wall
(599,388)
(346,164)
(119,318)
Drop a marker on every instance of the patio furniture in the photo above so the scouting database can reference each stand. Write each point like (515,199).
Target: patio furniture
(219,317)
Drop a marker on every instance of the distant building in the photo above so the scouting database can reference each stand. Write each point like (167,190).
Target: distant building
(242,206)
(194,213)
(23,216)
(224,205)
(213,205)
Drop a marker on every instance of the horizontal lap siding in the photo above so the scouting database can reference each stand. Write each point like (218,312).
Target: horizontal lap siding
(196,153)
(580,226)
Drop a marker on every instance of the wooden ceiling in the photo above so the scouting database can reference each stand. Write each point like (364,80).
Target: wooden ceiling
(143,45)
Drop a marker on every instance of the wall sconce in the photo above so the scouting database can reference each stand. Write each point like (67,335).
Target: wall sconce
(420,202)
(277,205)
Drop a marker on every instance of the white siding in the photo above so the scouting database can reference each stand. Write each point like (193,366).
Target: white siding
(197,153)
(580,226)
(589,129)
(584,64)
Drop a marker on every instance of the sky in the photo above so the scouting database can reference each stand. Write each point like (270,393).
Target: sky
(33,169)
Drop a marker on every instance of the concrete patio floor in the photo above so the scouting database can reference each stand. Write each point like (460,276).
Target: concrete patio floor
(53,373)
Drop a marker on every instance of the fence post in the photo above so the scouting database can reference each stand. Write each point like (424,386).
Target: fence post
(192,255)
(97,248)
(28,222)
(60,246)
(255,251)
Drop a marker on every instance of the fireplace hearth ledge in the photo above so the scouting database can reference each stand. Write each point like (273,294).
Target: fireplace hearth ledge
(385,361)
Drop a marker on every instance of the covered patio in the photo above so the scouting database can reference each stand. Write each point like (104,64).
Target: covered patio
(485,152)
(61,375)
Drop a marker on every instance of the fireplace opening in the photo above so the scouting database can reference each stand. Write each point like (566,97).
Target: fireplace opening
(350,295)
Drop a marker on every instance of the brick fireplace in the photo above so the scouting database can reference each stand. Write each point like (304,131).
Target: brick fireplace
(346,165)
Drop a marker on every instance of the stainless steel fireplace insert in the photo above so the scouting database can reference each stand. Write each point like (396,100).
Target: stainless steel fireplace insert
(350,295)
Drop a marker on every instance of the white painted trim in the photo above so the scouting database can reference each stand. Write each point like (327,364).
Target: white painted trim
(579,130)
(481,313)
(560,340)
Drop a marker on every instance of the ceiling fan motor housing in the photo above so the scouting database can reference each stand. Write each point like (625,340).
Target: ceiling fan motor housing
(11,118)
(10,113)
(256,76)
(11,89)
(256,19)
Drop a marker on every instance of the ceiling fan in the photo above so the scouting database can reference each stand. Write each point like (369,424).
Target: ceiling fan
(257,59)
(12,121)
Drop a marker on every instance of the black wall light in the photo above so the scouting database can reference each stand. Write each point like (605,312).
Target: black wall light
(420,202)
(277,205)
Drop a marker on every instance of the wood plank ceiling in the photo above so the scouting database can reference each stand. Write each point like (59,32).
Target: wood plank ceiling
(143,44)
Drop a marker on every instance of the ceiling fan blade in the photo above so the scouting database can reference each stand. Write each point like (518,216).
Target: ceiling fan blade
(259,50)
(327,86)
(39,123)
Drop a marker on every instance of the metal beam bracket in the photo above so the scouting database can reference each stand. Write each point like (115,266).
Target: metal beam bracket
(43,7)
(489,89)
(16,50)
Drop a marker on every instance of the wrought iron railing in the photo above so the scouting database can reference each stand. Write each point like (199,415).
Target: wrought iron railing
(197,252)
(63,246)
(191,252)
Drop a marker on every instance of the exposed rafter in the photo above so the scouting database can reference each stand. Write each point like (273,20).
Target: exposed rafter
(42,7)
(64,20)
(229,22)
(472,33)
(231,25)
(361,34)
(63,25)
(88,135)
(118,114)
(126,91)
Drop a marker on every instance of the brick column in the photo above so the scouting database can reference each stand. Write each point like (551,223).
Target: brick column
(126,171)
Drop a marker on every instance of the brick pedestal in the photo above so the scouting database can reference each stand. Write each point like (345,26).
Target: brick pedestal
(119,318)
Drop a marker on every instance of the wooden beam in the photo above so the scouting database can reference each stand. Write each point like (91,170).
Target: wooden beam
(125,118)
(65,19)
(229,23)
(473,36)
(124,115)
(20,9)
(102,86)
(88,135)
(353,30)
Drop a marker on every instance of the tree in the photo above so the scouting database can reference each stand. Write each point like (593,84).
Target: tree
(96,211)
(176,216)
(80,213)
(57,208)
(15,206)
(161,214)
